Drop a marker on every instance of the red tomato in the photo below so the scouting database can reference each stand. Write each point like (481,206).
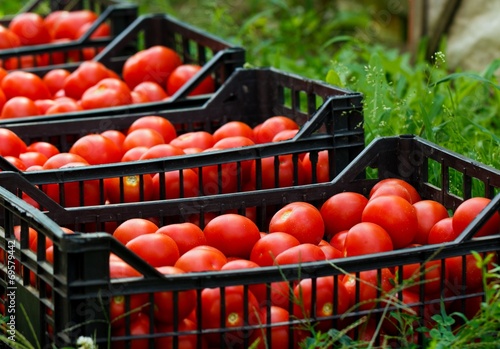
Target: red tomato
(232,142)
(30,28)
(455,273)
(331,252)
(96,149)
(134,153)
(201,258)
(372,287)
(300,254)
(237,241)
(138,327)
(52,17)
(221,180)
(170,307)
(63,106)
(25,84)
(470,209)
(232,129)
(234,303)
(31,158)
(60,159)
(396,215)
(330,298)
(279,334)
(18,107)
(8,39)
(144,137)
(108,92)
(88,74)
(3,99)
(132,228)
(152,64)
(68,24)
(430,274)
(151,91)
(269,246)
(280,176)
(116,136)
(156,249)
(429,212)
(44,148)
(132,188)
(182,74)
(322,167)
(198,139)
(415,196)
(391,188)
(338,240)
(442,231)
(185,341)
(74,196)
(301,220)
(172,184)
(16,162)
(272,126)
(284,135)
(258,290)
(186,235)
(32,234)
(365,238)
(342,211)
(161,151)
(12,144)
(157,123)
(43,105)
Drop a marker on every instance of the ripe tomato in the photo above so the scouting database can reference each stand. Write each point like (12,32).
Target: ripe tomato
(258,290)
(278,172)
(133,154)
(138,327)
(185,341)
(20,83)
(430,274)
(322,167)
(330,298)
(108,92)
(161,151)
(415,196)
(43,105)
(429,212)
(195,139)
(132,188)
(151,91)
(3,99)
(237,241)
(16,162)
(201,258)
(301,220)
(30,28)
(232,142)
(186,235)
(391,188)
(96,149)
(365,238)
(272,126)
(116,136)
(152,64)
(68,24)
(172,187)
(170,307)
(473,274)
(442,231)
(18,107)
(232,129)
(8,39)
(73,195)
(396,215)
(12,144)
(132,228)
(284,135)
(269,246)
(60,159)
(235,304)
(372,287)
(342,211)
(85,76)
(157,123)
(338,240)
(182,74)
(470,209)
(156,249)
(144,137)
(279,334)
(221,179)
(63,106)
(302,253)
(45,148)
(331,252)
(31,158)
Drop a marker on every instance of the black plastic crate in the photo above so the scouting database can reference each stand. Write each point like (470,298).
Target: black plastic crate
(117,14)
(330,119)
(218,58)
(77,288)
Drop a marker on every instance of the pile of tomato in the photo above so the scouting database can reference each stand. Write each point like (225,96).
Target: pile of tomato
(150,75)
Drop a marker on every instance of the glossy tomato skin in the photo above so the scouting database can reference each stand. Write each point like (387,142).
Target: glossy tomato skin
(266,249)
(371,287)
(342,211)
(415,196)
(272,126)
(133,188)
(195,139)
(30,28)
(70,23)
(12,144)
(302,253)
(232,234)
(18,107)
(396,215)
(429,212)
(442,231)
(186,235)
(468,210)
(182,74)
(157,123)
(217,180)
(430,273)
(144,137)
(300,219)
(132,228)
(108,92)
(20,83)
(158,250)
(232,129)
(201,258)
(187,341)
(258,290)
(322,167)
(278,172)
(85,76)
(279,334)
(153,64)
(391,188)
(173,187)
(138,327)
(365,238)
(96,149)
(151,91)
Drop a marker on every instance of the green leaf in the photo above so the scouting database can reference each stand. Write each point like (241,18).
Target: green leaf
(333,78)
